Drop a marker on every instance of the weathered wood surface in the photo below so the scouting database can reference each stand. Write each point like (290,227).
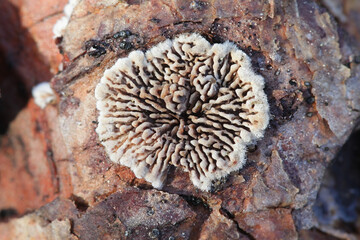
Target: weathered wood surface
(52,162)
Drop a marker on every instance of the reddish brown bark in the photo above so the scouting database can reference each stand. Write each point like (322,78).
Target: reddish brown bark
(51,161)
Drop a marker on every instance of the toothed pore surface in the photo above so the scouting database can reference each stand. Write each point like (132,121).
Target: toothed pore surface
(184,102)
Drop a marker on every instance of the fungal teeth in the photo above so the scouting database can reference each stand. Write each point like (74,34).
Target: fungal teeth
(197,107)
(184,102)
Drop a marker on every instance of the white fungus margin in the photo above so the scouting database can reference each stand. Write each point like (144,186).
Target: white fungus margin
(43,94)
(60,25)
(184,102)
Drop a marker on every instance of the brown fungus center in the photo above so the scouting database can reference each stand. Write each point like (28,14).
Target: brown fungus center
(184,102)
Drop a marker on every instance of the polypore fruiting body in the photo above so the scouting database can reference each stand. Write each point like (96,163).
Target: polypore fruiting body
(60,25)
(184,102)
(43,94)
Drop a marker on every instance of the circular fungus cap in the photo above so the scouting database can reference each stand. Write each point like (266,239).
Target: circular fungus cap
(184,102)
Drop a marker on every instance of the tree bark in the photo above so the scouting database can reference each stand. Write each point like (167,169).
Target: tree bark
(57,181)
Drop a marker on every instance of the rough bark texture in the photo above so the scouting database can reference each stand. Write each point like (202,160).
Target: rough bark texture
(53,165)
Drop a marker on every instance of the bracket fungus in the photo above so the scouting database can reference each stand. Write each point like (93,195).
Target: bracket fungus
(43,94)
(183,102)
(60,25)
